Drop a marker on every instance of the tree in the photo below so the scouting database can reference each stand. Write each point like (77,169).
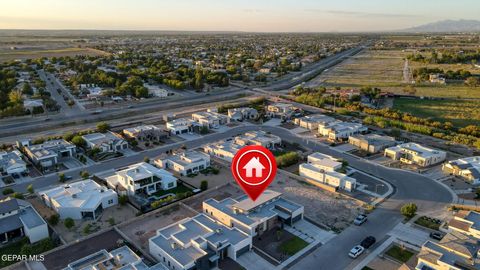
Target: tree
(84,174)
(409,210)
(30,189)
(78,141)
(103,127)
(146,159)
(54,219)
(204,185)
(15,97)
(27,89)
(69,223)
(123,199)
(61,177)
(410,89)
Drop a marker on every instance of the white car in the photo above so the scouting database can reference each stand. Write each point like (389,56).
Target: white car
(356,251)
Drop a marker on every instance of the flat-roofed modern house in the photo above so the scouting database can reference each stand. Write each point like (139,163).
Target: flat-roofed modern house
(311,122)
(210,119)
(455,251)
(466,222)
(12,163)
(184,163)
(224,149)
(340,131)
(79,200)
(18,218)
(243,113)
(141,179)
(145,133)
(268,212)
(198,242)
(413,153)
(106,142)
(122,258)
(49,153)
(372,143)
(261,138)
(181,126)
(325,169)
(280,110)
(467,168)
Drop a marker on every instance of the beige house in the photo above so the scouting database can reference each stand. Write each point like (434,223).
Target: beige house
(467,168)
(466,222)
(455,251)
(372,143)
(413,153)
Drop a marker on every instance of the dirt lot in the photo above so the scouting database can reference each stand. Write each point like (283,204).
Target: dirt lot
(32,54)
(319,204)
(146,226)
(224,176)
(219,193)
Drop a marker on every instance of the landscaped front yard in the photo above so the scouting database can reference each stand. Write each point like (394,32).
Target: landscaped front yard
(23,247)
(293,246)
(427,222)
(400,254)
(279,244)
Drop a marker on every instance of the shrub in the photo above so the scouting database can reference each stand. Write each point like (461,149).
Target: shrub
(103,127)
(69,223)
(61,177)
(18,195)
(54,219)
(123,199)
(204,185)
(287,159)
(30,189)
(409,210)
(7,191)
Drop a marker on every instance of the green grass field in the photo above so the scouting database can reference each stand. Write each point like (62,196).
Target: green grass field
(293,245)
(460,112)
(33,54)
(400,254)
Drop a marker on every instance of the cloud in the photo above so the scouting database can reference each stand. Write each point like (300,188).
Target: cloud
(362,14)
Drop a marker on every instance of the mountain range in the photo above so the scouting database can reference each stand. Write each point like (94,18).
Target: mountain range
(447,26)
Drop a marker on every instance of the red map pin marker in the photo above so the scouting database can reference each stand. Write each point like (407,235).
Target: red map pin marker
(254,168)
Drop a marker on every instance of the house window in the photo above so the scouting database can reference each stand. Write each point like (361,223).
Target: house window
(170,185)
(110,201)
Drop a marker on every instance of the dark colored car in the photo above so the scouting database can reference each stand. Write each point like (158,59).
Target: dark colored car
(368,242)
(436,235)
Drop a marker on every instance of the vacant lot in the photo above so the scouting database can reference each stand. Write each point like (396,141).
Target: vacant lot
(146,226)
(459,112)
(319,204)
(33,54)
(384,69)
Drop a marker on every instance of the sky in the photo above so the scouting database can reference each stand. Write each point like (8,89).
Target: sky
(232,15)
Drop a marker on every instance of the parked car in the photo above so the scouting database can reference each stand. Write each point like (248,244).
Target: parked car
(356,251)
(368,242)
(360,220)
(436,235)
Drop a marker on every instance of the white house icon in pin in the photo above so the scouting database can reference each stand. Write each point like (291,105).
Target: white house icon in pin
(254,164)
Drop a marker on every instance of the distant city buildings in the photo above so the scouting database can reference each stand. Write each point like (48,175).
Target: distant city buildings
(413,153)
(468,168)
(79,200)
(326,170)
(184,163)
(106,142)
(18,218)
(141,179)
